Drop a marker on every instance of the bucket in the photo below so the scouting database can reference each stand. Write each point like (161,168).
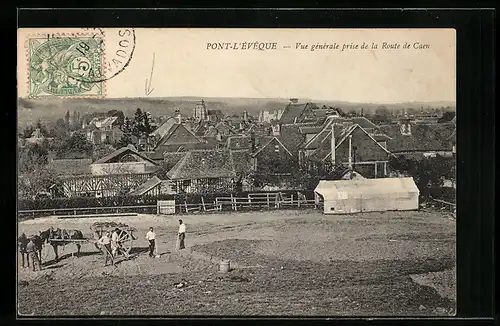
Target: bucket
(224,266)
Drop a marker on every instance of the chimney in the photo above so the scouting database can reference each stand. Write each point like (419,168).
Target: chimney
(245,116)
(276,128)
(252,141)
(178,116)
(350,152)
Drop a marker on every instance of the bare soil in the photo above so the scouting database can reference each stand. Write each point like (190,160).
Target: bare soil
(289,263)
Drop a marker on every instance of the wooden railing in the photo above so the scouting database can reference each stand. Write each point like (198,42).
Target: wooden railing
(252,202)
(86,211)
(443,204)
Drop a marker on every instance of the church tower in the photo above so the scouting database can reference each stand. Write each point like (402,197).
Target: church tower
(200,111)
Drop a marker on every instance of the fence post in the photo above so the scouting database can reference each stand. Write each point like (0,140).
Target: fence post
(267,196)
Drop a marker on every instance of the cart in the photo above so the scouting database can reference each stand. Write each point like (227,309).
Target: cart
(125,234)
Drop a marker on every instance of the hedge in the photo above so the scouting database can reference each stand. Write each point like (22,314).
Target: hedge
(82,202)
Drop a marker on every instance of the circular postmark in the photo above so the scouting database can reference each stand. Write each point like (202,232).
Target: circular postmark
(78,63)
(117,52)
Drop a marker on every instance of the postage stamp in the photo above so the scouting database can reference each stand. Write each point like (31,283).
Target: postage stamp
(66,66)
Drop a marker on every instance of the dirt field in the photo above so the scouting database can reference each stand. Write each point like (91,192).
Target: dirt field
(289,263)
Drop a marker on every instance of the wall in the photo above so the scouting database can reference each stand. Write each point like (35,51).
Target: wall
(118,168)
(397,201)
(281,160)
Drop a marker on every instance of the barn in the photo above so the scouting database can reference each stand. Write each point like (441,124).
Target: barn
(367,195)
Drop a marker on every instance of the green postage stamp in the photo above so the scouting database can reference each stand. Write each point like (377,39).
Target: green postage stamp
(66,66)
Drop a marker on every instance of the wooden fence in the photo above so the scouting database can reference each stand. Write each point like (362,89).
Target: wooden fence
(256,201)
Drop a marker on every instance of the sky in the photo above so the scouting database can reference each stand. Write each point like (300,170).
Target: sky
(183,66)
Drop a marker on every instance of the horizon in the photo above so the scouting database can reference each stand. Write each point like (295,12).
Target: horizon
(193,97)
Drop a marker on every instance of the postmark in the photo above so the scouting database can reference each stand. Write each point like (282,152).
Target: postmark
(120,47)
(77,64)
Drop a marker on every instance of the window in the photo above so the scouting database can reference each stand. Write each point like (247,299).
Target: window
(406,129)
(277,148)
(186,183)
(128,158)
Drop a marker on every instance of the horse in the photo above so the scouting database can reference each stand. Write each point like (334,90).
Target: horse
(61,234)
(22,242)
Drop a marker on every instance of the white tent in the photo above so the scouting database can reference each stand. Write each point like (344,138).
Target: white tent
(367,195)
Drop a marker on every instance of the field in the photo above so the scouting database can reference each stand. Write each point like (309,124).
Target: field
(288,263)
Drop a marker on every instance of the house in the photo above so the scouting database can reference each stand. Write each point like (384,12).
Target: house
(268,116)
(178,135)
(203,171)
(367,195)
(105,130)
(221,129)
(408,137)
(351,145)
(272,155)
(125,160)
(164,127)
(37,137)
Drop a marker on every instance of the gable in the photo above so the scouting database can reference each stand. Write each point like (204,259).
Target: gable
(178,135)
(273,147)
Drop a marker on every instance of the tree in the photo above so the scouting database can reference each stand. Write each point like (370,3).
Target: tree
(32,183)
(428,172)
(125,140)
(138,123)
(74,146)
(66,119)
(75,123)
(446,117)
(101,150)
(119,114)
(27,131)
(32,157)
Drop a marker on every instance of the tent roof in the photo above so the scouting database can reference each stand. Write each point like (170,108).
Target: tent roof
(365,188)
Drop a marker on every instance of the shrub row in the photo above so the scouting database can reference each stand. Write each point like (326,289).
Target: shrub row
(81,202)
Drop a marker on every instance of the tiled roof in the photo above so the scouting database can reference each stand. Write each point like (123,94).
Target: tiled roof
(185,147)
(164,127)
(106,122)
(310,129)
(341,127)
(424,137)
(171,159)
(363,123)
(295,112)
(220,127)
(241,160)
(291,138)
(156,156)
(145,187)
(74,167)
(238,142)
(203,164)
(116,155)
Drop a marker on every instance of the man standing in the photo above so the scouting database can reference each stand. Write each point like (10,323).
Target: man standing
(114,242)
(182,234)
(33,255)
(105,241)
(151,236)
